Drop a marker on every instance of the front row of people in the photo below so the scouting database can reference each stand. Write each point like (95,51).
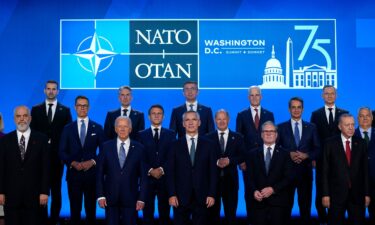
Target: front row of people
(192,174)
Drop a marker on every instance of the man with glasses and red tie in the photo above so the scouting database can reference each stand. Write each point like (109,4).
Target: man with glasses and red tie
(345,184)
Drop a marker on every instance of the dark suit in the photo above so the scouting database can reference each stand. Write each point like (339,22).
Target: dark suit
(81,183)
(274,209)
(371,170)
(122,187)
(252,137)
(137,118)
(319,118)
(53,130)
(303,176)
(156,156)
(192,184)
(23,181)
(346,185)
(205,113)
(227,188)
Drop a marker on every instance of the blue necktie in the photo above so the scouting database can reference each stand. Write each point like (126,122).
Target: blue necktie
(192,151)
(296,134)
(82,135)
(122,154)
(268,159)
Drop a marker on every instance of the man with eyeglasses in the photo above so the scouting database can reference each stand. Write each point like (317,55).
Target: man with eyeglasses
(367,133)
(157,141)
(270,176)
(300,139)
(50,118)
(190,92)
(125,97)
(79,143)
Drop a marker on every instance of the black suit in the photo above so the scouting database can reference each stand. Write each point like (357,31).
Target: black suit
(227,188)
(252,137)
(191,184)
(23,181)
(156,156)
(371,170)
(205,114)
(346,185)
(53,130)
(274,209)
(303,176)
(81,183)
(325,130)
(137,118)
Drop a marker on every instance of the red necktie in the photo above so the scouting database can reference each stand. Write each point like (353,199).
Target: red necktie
(256,119)
(347,151)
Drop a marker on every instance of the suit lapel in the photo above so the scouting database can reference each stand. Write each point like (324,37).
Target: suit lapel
(274,159)
(305,131)
(29,147)
(251,120)
(230,142)
(16,146)
(262,161)
(290,134)
(323,116)
(130,153)
(114,153)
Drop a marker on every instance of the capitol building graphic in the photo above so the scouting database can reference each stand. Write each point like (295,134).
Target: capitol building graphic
(307,77)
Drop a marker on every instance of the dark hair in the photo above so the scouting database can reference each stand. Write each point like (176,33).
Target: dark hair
(295,99)
(52,82)
(81,97)
(155,106)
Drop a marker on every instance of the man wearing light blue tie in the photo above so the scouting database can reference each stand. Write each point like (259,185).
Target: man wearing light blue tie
(121,179)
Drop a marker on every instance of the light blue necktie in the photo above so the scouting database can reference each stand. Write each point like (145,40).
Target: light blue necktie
(268,159)
(296,134)
(82,135)
(192,151)
(122,154)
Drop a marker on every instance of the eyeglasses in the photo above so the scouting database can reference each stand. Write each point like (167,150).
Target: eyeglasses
(191,89)
(82,106)
(269,131)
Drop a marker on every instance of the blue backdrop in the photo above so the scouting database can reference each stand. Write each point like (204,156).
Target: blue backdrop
(30,47)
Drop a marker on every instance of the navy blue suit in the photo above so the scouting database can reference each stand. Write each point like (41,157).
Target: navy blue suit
(81,183)
(156,156)
(137,118)
(205,113)
(252,137)
(303,176)
(228,177)
(122,187)
(371,171)
(274,209)
(325,130)
(192,184)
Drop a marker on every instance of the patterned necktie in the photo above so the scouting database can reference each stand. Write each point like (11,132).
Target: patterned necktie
(124,112)
(256,118)
(82,134)
(330,117)
(347,151)
(122,154)
(22,147)
(191,107)
(156,135)
(367,138)
(296,134)
(192,151)
(268,159)
(222,142)
(49,114)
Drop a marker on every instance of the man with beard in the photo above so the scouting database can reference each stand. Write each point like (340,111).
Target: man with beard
(24,172)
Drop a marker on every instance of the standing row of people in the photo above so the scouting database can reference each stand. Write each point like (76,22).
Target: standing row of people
(193,173)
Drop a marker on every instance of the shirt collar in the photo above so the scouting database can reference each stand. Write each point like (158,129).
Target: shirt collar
(127,142)
(327,107)
(188,137)
(53,102)
(344,139)
(26,134)
(226,132)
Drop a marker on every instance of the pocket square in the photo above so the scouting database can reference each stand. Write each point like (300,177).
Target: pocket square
(93,134)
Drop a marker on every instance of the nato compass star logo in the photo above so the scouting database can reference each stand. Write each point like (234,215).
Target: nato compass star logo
(95,54)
